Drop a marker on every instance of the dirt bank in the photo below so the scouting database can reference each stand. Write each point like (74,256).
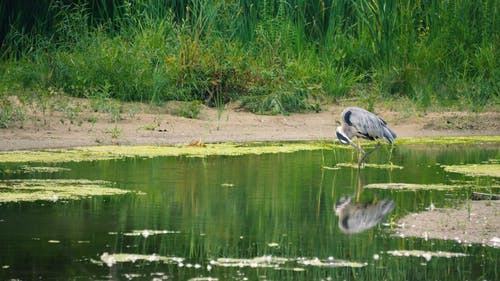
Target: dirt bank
(156,127)
(477,222)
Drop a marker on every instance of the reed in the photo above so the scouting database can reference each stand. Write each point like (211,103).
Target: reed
(264,52)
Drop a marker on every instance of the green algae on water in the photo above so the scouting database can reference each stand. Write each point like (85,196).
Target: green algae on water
(93,153)
(489,170)
(26,169)
(53,190)
(449,140)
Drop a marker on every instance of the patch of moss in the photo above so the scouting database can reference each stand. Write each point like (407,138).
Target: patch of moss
(53,190)
(490,170)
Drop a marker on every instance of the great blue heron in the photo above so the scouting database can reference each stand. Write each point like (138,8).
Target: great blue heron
(360,123)
(358,217)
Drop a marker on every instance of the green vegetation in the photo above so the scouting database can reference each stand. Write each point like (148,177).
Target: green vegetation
(30,190)
(487,170)
(93,153)
(274,57)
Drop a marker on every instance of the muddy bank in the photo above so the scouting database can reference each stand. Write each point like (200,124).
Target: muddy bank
(475,222)
(158,127)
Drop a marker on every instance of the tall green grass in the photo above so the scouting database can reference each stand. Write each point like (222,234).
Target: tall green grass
(274,56)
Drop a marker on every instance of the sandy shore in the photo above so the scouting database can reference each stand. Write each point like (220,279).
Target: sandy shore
(54,130)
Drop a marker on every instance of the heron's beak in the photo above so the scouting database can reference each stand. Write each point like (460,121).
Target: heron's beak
(345,140)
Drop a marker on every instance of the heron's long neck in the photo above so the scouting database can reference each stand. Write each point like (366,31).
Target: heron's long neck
(347,131)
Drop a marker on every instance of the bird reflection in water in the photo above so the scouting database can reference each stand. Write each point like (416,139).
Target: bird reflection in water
(358,217)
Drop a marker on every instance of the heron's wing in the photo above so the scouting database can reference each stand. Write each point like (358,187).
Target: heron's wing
(367,125)
(360,217)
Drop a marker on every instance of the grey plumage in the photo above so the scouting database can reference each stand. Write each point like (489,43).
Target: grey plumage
(360,123)
(357,122)
(358,217)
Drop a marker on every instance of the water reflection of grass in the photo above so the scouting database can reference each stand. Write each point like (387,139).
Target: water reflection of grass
(280,206)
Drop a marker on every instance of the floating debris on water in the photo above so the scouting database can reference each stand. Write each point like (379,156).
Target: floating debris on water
(427,255)
(36,169)
(273,245)
(412,186)
(227,184)
(30,190)
(264,261)
(54,241)
(111,259)
(330,168)
(495,242)
(146,232)
(279,262)
(330,262)
(369,165)
(474,170)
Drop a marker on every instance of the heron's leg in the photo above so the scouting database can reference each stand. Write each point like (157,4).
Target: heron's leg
(390,155)
(369,152)
(361,154)
(359,188)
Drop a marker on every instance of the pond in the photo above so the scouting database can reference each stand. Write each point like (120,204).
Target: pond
(250,217)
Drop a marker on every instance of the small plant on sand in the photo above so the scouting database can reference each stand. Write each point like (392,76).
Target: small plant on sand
(10,113)
(190,109)
(114,132)
(101,101)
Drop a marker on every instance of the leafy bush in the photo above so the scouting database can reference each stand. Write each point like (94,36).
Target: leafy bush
(275,57)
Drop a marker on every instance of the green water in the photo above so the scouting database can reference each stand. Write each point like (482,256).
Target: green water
(274,207)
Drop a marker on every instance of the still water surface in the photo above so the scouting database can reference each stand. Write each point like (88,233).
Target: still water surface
(251,217)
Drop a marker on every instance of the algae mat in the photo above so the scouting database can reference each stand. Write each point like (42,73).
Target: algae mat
(488,170)
(94,153)
(53,190)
